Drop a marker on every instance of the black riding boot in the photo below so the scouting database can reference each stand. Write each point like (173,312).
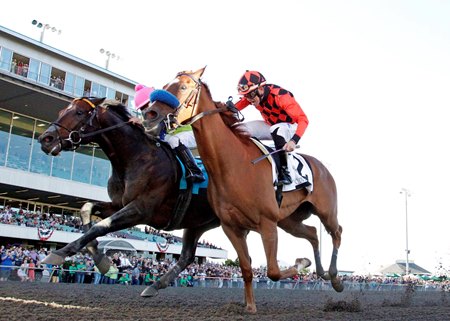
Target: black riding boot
(283,173)
(284,178)
(193,172)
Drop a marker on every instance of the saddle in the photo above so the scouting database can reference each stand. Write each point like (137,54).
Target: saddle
(298,166)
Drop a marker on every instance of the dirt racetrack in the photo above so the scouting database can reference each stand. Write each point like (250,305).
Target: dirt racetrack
(50,301)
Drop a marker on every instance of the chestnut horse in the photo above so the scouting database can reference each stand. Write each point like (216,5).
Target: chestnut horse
(242,193)
(143,188)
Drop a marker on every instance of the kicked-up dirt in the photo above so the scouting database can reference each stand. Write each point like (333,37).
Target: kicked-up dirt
(51,301)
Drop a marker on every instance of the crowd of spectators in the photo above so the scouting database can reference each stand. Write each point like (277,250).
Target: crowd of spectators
(80,268)
(24,264)
(23,217)
(70,223)
(19,68)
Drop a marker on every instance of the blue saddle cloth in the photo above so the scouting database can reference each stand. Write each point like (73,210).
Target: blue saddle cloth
(197,186)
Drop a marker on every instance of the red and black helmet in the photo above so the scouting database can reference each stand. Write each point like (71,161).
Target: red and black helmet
(250,81)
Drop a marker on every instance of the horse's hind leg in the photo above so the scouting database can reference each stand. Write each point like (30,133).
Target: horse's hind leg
(269,236)
(296,228)
(335,230)
(190,239)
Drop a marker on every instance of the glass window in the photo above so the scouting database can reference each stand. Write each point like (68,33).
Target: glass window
(20,142)
(131,104)
(79,86)
(20,64)
(111,94)
(5,124)
(5,59)
(33,69)
(125,101)
(69,83)
(101,169)
(57,78)
(62,165)
(40,162)
(82,164)
(95,89)
(44,75)
(101,91)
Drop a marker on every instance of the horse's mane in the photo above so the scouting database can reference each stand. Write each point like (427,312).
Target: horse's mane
(120,109)
(229,118)
(122,112)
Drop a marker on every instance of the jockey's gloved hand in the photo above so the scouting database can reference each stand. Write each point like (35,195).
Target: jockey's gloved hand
(290,146)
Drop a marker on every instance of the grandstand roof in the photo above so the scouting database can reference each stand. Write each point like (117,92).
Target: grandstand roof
(399,267)
(120,245)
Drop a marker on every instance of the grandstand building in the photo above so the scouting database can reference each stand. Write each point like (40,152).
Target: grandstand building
(36,82)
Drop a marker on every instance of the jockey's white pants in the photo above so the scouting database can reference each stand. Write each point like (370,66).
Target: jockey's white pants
(186,138)
(261,130)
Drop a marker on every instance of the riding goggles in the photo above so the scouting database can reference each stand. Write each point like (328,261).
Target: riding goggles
(252,94)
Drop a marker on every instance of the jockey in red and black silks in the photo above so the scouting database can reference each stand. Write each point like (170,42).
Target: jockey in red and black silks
(282,115)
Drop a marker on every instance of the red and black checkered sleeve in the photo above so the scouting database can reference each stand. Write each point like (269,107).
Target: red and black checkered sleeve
(288,103)
(242,103)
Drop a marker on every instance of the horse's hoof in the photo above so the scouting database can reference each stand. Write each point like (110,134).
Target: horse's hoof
(250,309)
(326,276)
(337,284)
(53,259)
(149,292)
(102,263)
(302,263)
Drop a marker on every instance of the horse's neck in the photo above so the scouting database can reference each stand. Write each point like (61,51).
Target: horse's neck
(217,145)
(122,145)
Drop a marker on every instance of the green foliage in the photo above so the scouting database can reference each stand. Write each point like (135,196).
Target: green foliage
(229,262)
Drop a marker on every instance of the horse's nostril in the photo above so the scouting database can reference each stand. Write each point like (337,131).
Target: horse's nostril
(152,115)
(48,139)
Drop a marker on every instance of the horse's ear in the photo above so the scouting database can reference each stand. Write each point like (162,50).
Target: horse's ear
(98,101)
(198,74)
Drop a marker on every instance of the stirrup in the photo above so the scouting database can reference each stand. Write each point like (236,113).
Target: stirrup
(195,178)
(284,178)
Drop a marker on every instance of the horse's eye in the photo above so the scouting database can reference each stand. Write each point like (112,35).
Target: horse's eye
(79,112)
(183,87)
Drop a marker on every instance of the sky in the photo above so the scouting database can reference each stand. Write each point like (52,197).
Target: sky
(372,76)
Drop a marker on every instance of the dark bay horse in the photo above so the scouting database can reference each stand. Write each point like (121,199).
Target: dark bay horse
(143,187)
(241,193)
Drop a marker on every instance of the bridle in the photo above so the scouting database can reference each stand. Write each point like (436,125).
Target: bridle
(192,100)
(76,136)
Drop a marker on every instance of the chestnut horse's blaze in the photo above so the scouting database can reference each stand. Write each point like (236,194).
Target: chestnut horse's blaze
(242,194)
(143,186)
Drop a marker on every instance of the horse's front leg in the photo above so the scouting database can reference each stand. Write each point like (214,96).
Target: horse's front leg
(190,239)
(126,217)
(238,237)
(103,210)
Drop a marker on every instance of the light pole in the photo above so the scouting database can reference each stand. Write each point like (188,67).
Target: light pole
(407,194)
(110,55)
(44,26)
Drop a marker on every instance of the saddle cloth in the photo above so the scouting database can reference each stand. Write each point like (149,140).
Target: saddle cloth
(299,169)
(196,187)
